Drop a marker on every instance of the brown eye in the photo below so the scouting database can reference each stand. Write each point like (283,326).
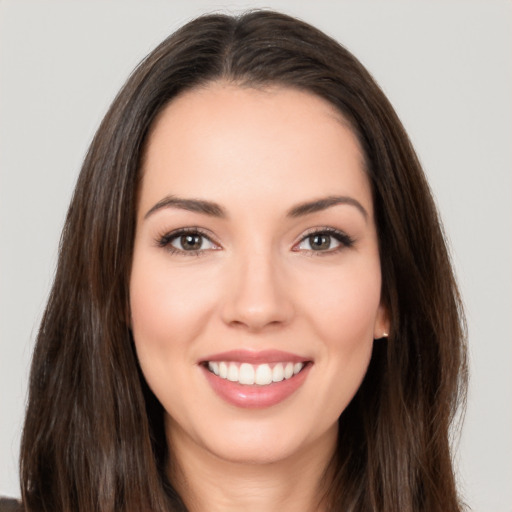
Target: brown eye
(191,242)
(186,242)
(320,242)
(327,240)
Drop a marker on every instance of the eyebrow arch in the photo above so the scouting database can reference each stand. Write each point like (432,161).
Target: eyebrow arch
(192,205)
(215,210)
(324,203)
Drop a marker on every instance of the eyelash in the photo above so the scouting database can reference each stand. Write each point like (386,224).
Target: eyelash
(166,239)
(345,240)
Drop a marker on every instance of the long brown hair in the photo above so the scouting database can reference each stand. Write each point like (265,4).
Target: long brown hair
(93,438)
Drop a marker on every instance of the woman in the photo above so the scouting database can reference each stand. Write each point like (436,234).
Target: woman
(254,306)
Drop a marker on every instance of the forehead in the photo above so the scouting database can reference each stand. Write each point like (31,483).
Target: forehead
(224,142)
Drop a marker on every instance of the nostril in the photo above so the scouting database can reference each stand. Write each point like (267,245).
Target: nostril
(255,324)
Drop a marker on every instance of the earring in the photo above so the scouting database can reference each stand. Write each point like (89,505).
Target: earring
(385,335)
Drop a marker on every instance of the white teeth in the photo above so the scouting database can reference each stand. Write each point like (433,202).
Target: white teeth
(278,373)
(248,374)
(213,367)
(263,375)
(233,372)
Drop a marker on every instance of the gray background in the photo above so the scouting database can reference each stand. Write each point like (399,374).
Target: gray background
(447,68)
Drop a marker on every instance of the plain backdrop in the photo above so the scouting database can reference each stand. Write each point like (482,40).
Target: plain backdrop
(445,65)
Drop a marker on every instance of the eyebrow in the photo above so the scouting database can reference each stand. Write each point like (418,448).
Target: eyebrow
(192,205)
(215,210)
(324,203)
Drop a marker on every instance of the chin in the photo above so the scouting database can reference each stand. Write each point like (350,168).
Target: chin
(267,443)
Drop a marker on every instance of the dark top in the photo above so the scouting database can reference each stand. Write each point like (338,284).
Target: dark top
(10,505)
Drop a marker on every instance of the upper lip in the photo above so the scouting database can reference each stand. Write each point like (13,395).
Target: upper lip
(256,357)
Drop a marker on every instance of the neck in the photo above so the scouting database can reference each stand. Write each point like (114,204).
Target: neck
(208,483)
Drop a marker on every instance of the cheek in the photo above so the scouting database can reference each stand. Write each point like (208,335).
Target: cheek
(344,305)
(343,313)
(168,312)
(166,304)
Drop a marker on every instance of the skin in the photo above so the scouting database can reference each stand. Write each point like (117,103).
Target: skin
(256,284)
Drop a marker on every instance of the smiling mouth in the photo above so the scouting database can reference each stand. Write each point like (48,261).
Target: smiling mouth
(255,374)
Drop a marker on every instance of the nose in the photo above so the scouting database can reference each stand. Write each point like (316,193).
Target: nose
(257,294)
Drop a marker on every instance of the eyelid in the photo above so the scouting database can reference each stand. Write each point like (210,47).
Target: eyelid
(164,240)
(343,238)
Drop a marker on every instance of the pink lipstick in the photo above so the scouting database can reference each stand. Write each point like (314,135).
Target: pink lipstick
(255,379)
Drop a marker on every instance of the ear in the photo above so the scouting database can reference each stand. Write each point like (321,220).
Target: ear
(382,323)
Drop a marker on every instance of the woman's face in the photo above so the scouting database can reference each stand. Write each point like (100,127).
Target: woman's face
(255,286)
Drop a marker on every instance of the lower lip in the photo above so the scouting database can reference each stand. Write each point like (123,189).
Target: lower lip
(256,397)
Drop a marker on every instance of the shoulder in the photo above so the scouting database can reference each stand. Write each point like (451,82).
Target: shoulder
(10,505)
